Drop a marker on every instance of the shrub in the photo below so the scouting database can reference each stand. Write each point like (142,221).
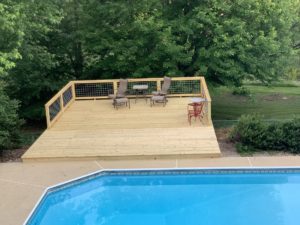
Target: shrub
(244,149)
(291,137)
(251,132)
(9,121)
(242,91)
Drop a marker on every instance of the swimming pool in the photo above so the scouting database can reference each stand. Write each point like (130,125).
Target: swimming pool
(175,197)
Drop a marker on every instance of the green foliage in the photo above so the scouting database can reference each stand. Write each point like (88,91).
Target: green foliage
(43,44)
(244,150)
(252,133)
(10,35)
(242,91)
(250,130)
(36,76)
(9,121)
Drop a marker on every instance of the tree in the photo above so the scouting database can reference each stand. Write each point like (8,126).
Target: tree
(10,40)
(237,40)
(37,74)
(9,121)
(125,38)
(226,41)
(10,35)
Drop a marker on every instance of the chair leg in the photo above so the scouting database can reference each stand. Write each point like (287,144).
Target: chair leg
(189,119)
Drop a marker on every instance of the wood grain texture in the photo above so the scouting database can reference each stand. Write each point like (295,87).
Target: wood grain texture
(94,129)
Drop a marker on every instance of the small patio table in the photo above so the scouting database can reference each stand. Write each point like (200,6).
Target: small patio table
(140,90)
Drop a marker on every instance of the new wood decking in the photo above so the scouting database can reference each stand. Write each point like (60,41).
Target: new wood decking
(94,129)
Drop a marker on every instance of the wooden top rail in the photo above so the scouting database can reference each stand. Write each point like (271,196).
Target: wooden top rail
(97,89)
(205,89)
(135,80)
(68,85)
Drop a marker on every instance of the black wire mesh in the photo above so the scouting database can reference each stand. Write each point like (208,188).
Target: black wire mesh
(184,87)
(54,108)
(104,89)
(94,89)
(152,86)
(67,96)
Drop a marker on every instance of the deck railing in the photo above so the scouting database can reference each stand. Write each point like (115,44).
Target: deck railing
(100,89)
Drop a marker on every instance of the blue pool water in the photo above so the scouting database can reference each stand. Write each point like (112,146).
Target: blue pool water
(175,198)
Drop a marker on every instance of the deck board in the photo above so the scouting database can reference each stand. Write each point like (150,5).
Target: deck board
(94,129)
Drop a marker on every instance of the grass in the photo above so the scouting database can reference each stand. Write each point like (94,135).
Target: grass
(274,103)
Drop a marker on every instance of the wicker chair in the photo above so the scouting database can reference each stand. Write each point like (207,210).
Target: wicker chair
(122,89)
(161,96)
(165,87)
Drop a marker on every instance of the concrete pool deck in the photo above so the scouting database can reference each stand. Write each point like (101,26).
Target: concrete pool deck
(22,184)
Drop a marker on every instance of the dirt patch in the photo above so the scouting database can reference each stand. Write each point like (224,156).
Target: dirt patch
(226,146)
(275,97)
(12,155)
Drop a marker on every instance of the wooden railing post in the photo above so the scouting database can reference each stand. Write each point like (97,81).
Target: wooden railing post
(158,85)
(206,95)
(73,90)
(47,116)
(209,112)
(61,102)
(115,85)
(201,89)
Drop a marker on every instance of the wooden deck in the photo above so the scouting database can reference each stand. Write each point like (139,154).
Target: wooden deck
(94,129)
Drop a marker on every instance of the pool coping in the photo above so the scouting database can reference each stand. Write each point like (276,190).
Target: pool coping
(148,170)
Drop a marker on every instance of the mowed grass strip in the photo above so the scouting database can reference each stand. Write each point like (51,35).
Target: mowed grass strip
(277,102)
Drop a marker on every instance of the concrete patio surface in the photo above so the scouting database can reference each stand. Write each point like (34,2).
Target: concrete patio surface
(22,184)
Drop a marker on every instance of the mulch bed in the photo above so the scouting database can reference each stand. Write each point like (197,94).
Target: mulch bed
(12,155)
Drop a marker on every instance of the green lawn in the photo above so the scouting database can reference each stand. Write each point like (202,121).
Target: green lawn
(277,102)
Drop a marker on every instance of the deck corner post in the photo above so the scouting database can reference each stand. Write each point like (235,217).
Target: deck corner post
(73,90)
(209,112)
(47,116)
(201,89)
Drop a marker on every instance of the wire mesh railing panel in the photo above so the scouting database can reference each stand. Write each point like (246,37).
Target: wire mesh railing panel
(94,89)
(184,87)
(54,108)
(152,86)
(67,96)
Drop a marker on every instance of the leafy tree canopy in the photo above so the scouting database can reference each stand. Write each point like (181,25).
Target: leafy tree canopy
(10,35)
(43,44)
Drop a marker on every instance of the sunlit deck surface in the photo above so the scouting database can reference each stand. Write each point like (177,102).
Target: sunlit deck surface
(94,129)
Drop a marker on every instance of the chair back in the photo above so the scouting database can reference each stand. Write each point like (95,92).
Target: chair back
(166,85)
(122,89)
(195,108)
